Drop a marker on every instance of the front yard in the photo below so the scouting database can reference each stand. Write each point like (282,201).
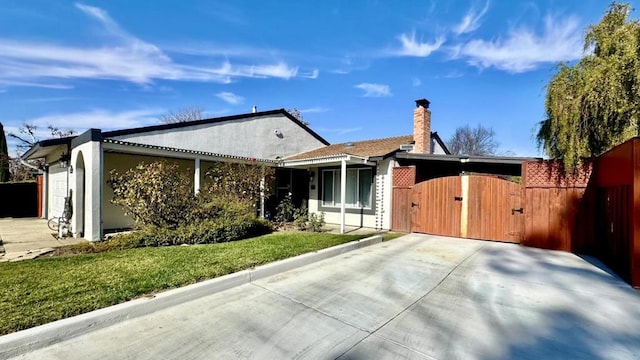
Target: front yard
(35,292)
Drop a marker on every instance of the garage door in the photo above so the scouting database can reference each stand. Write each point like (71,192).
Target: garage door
(57,191)
(471,206)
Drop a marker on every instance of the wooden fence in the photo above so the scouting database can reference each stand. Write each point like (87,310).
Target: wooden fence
(596,211)
(404,177)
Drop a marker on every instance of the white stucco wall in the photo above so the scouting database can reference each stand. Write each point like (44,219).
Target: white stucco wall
(264,137)
(382,193)
(87,194)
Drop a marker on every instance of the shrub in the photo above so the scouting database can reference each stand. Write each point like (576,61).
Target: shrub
(316,222)
(223,229)
(155,194)
(286,210)
(242,182)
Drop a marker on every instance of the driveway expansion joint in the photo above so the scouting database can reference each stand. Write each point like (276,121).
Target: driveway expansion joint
(413,303)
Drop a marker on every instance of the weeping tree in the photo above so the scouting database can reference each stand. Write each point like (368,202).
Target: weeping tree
(594,105)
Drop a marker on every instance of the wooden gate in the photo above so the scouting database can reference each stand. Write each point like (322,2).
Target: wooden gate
(469,206)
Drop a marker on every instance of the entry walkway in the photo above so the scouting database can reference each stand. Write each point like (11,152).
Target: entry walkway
(415,297)
(27,238)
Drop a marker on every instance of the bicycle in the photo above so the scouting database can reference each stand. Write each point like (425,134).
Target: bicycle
(65,220)
(54,222)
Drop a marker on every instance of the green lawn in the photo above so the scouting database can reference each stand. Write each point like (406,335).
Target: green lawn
(34,292)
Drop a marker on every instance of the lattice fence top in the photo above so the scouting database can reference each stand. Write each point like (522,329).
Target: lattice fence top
(404,176)
(550,174)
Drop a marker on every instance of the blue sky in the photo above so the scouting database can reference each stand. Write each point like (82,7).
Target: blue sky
(353,68)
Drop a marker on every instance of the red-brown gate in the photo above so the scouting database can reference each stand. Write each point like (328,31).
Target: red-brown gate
(469,206)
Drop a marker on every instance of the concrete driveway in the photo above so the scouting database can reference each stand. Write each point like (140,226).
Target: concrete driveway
(416,297)
(26,238)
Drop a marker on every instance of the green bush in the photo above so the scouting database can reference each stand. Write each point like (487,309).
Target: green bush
(155,194)
(316,222)
(222,229)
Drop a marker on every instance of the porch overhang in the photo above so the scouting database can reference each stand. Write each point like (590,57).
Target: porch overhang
(125,147)
(45,147)
(333,160)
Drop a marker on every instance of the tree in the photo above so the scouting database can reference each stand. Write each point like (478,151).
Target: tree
(594,105)
(27,137)
(4,157)
(182,115)
(298,115)
(479,141)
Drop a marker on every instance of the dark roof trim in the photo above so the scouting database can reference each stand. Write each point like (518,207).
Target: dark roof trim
(89,135)
(466,159)
(47,143)
(434,135)
(110,134)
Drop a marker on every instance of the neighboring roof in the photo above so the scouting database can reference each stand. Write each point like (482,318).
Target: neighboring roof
(38,149)
(108,134)
(434,135)
(185,151)
(366,148)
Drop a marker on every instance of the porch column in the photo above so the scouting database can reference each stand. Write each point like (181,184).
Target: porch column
(196,177)
(262,198)
(343,193)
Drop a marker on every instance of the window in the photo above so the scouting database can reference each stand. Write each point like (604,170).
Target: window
(358,194)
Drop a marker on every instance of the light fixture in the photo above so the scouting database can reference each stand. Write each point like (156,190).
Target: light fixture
(64,160)
(311,176)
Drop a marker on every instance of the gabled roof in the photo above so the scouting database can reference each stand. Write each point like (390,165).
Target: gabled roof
(115,133)
(368,148)
(44,147)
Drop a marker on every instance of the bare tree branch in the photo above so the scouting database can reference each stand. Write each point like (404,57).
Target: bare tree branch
(479,141)
(182,115)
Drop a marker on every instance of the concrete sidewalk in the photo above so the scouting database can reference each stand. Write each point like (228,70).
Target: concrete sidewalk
(416,297)
(27,238)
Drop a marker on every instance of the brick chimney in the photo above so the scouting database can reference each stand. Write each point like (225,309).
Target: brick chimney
(422,127)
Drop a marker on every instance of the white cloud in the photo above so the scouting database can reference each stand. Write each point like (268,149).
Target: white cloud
(230,97)
(127,58)
(316,109)
(338,131)
(413,47)
(524,49)
(471,21)
(313,75)
(99,118)
(416,82)
(374,90)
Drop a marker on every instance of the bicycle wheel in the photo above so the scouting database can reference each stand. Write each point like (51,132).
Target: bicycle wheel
(54,223)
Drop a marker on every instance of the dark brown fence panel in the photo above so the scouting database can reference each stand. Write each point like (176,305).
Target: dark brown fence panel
(552,205)
(617,180)
(493,209)
(404,177)
(435,208)
(18,200)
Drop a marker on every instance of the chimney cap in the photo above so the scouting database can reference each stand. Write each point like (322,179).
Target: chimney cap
(423,102)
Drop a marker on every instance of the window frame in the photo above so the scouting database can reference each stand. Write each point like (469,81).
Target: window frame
(335,205)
